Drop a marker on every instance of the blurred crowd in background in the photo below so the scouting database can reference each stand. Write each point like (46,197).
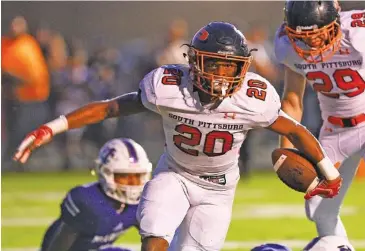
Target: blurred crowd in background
(73,75)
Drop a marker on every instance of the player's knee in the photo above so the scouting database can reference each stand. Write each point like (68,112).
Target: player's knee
(154,244)
(323,217)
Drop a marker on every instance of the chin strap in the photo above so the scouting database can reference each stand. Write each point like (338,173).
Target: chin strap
(121,208)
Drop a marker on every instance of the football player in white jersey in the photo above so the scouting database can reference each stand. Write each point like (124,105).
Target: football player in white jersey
(207,107)
(325,47)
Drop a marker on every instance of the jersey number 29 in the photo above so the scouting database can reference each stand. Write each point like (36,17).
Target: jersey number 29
(346,79)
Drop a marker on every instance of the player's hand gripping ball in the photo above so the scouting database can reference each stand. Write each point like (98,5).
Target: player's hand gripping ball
(295,169)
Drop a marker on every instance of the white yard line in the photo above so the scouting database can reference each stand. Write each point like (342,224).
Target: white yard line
(26,222)
(275,211)
(269,211)
(229,245)
(32,196)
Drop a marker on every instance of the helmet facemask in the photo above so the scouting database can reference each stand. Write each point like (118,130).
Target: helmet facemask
(118,185)
(130,186)
(305,41)
(218,86)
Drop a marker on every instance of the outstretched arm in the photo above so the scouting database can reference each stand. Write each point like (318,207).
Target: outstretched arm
(95,112)
(92,113)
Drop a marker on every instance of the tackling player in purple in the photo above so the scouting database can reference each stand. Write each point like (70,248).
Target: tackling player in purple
(94,215)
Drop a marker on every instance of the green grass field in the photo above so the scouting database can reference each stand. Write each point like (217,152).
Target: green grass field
(264,210)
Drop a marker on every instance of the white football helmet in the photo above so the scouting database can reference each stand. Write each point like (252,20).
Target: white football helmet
(329,243)
(123,156)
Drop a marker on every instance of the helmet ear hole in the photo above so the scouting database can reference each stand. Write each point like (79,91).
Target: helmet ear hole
(107,171)
(191,56)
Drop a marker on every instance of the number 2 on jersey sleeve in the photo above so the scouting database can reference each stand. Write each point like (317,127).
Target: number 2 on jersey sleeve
(191,136)
(346,79)
(257,89)
(172,76)
(358,20)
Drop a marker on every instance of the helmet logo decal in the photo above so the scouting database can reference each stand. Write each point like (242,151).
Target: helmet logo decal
(304,28)
(107,154)
(203,35)
(226,52)
(131,151)
(344,51)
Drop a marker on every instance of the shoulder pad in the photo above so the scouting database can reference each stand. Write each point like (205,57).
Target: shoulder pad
(353,28)
(255,81)
(77,212)
(260,98)
(163,81)
(168,80)
(73,201)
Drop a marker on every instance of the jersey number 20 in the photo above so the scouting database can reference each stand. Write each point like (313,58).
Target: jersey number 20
(192,136)
(256,89)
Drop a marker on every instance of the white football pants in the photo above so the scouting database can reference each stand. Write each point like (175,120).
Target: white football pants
(347,146)
(170,201)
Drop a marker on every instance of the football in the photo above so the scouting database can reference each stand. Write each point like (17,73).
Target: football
(295,169)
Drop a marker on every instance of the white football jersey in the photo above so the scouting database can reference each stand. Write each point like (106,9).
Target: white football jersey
(199,140)
(339,81)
